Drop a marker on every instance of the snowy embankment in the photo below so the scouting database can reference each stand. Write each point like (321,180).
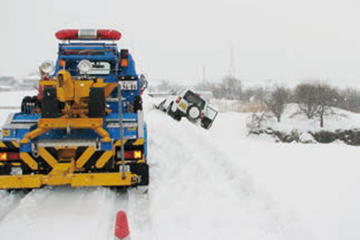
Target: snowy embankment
(295,126)
(216,184)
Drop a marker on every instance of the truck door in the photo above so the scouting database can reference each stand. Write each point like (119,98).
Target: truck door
(209,117)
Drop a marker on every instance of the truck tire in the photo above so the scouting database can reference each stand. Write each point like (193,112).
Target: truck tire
(193,113)
(96,102)
(25,101)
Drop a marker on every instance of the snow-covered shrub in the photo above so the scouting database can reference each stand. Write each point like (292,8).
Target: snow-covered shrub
(254,124)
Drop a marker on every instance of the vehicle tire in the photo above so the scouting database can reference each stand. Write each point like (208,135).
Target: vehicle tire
(24,104)
(96,102)
(36,102)
(193,113)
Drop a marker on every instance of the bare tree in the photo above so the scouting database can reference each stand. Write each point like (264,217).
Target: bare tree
(316,99)
(279,98)
(305,96)
(350,100)
(327,97)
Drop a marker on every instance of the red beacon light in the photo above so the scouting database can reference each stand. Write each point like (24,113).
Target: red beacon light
(88,34)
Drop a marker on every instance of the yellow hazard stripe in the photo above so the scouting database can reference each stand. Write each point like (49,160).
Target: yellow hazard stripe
(117,143)
(104,159)
(12,145)
(47,157)
(15,143)
(85,157)
(29,160)
(140,141)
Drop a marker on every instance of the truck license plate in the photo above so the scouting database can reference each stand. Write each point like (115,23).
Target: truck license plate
(128,85)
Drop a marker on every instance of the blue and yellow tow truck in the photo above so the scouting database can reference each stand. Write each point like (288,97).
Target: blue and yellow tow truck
(86,126)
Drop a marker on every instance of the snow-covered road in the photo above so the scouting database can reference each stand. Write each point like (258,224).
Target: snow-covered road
(217,184)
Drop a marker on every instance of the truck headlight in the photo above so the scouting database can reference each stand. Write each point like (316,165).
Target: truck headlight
(47,67)
(84,66)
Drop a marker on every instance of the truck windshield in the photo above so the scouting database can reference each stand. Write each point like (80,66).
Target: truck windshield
(193,98)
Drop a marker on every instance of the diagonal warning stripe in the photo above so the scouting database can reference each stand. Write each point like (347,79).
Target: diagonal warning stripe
(15,143)
(47,157)
(85,157)
(29,160)
(139,141)
(104,159)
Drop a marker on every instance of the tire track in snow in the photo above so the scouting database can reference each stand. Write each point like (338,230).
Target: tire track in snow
(9,202)
(196,189)
(64,213)
(278,220)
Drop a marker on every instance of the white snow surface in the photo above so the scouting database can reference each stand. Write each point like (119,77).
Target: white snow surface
(205,184)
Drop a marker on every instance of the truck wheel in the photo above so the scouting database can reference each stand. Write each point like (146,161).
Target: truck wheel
(193,113)
(96,102)
(24,104)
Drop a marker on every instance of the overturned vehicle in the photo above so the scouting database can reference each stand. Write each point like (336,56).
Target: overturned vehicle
(190,105)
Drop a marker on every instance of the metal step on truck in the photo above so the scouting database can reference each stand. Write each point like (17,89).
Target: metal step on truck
(86,126)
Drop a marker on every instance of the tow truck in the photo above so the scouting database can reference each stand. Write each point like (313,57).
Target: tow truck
(86,126)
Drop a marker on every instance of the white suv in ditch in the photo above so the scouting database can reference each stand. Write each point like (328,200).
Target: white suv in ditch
(186,103)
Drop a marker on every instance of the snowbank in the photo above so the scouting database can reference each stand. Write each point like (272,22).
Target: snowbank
(295,126)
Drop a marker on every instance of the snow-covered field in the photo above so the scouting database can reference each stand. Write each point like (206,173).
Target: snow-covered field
(216,184)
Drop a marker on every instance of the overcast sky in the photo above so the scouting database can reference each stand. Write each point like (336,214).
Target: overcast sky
(280,40)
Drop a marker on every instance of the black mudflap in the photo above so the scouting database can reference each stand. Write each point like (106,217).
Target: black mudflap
(142,170)
(138,103)
(96,102)
(5,169)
